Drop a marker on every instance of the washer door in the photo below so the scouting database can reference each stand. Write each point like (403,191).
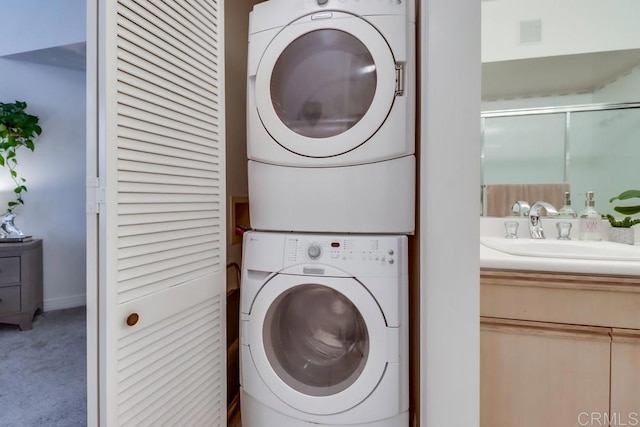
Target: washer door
(325,86)
(319,343)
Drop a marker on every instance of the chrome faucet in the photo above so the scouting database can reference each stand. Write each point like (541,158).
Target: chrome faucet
(520,208)
(535,227)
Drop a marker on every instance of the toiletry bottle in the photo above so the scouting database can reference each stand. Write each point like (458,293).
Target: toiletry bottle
(590,220)
(567,211)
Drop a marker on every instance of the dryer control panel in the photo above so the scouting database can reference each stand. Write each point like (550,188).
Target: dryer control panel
(365,255)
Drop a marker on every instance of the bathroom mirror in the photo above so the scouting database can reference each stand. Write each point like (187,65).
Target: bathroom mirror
(560,100)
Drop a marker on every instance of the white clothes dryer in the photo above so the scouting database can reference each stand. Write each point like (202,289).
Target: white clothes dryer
(331,112)
(324,331)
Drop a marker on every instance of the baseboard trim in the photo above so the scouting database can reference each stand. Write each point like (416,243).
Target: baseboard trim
(65,302)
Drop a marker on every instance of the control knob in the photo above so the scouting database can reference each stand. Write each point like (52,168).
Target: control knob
(314,251)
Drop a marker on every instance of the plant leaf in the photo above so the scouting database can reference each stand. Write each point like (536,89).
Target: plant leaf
(629,194)
(627,210)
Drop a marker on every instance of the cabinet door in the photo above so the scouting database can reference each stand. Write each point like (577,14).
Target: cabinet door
(157,309)
(536,374)
(625,376)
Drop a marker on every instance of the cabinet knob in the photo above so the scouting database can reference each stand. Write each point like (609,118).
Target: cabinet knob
(132,319)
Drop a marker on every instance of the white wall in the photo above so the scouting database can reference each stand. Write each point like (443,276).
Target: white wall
(39,24)
(54,207)
(449,194)
(568,27)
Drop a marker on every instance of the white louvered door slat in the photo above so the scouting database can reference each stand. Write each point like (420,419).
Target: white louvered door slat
(161,233)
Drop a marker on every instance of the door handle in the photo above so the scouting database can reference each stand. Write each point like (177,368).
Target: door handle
(132,319)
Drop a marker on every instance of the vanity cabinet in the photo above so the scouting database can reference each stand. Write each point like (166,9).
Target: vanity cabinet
(555,346)
(20,282)
(625,375)
(540,374)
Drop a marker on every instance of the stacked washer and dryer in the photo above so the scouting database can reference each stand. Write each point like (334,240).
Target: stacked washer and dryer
(324,296)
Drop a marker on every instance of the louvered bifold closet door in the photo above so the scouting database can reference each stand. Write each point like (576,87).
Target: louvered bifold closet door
(162,232)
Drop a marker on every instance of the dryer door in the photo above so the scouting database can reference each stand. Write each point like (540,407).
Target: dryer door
(325,86)
(319,343)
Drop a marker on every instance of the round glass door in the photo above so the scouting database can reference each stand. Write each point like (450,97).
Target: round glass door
(324,87)
(323,83)
(315,340)
(319,344)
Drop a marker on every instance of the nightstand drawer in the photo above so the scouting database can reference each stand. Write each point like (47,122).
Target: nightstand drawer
(9,300)
(9,271)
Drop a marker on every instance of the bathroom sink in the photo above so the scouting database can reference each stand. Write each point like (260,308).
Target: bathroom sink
(552,248)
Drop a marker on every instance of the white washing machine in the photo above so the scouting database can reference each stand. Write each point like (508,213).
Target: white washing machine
(324,331)
(331,115)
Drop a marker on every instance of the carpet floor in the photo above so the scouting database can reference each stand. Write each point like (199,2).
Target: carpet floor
(43,377)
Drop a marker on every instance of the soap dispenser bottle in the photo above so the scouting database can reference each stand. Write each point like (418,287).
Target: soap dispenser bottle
(590,220)
(567,211)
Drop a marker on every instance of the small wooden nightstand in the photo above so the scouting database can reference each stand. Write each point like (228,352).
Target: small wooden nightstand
(20,282)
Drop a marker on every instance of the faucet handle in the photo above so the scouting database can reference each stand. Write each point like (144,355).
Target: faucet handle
(564,230)
(520,208)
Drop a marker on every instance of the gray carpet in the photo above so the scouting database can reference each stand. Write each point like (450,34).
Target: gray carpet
(43,377)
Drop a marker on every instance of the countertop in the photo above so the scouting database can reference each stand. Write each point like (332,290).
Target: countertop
(494,259)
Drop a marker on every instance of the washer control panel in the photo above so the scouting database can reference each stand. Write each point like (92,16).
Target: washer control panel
(370,253)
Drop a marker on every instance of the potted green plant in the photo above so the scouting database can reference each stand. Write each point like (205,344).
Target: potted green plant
(17,129)
(620,230)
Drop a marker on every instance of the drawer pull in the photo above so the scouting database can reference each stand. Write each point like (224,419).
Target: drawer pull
(132,319)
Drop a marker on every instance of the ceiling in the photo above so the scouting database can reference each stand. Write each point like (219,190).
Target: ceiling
(71,56)
(555,75)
